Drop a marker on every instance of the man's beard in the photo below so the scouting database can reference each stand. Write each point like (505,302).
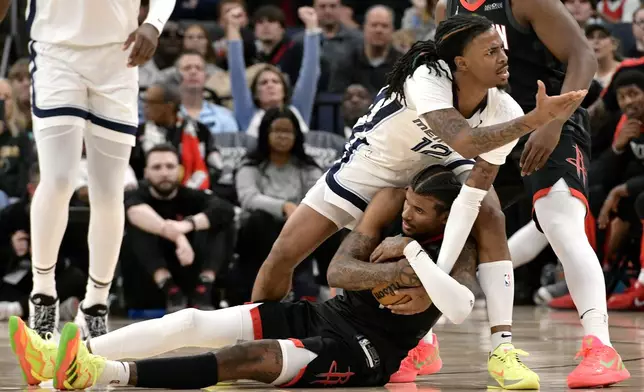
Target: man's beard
(165,192)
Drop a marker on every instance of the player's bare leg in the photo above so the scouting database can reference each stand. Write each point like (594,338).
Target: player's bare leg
(270,361)
(303,232)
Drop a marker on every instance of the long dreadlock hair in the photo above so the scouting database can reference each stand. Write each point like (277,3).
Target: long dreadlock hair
(438,182)
(452,36)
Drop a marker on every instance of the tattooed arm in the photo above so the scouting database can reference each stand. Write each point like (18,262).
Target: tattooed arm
(450,125)
(350,268)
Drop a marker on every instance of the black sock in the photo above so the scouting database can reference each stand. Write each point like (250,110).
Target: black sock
(194,372)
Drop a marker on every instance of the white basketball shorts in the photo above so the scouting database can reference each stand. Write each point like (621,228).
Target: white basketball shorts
(72,85)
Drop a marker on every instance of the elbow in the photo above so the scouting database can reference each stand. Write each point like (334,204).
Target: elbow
(584,57)
(458,311)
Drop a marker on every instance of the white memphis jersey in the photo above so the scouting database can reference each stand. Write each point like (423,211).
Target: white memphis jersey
(82,22)
(396,142)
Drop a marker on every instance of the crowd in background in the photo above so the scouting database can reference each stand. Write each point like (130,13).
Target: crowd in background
(242,108)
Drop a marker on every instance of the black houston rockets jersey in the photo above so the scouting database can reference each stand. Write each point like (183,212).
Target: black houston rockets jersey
(528,58)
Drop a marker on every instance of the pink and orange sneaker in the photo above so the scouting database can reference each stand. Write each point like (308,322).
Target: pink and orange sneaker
(422,360)
(631,299)
(600,365)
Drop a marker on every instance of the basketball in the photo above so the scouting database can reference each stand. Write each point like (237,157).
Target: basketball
(384,293)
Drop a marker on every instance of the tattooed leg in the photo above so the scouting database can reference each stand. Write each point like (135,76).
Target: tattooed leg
(260,361)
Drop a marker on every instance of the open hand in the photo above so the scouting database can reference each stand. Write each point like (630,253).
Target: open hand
(419,302)
(145,40)
(557,107)
(539,146)
(390,248)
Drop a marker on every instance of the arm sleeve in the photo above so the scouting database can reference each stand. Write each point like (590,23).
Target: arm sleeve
(428,91)
(159,13)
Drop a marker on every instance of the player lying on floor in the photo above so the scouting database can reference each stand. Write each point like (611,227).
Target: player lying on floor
(350,340)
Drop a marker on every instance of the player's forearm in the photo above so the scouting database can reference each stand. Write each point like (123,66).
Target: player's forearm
(201,221)
(470,142)
(580,70)
(159,13)
(352,274)
(146,219)
(4,7)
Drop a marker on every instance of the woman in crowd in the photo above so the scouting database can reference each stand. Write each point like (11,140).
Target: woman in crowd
(270,88)
(271,182)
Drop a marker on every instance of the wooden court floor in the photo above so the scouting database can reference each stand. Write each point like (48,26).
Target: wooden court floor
(551,337)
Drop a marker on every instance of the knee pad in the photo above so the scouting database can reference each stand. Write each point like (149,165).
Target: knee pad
(294,358)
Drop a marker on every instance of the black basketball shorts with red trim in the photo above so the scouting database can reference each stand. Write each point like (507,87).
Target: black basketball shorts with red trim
(345,358)
(570,160)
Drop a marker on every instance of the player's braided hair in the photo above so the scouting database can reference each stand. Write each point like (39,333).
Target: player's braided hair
(437,181)
(452,36)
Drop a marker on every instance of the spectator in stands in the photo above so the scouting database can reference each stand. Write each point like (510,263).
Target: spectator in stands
(626,156)
(582,10)
(370,64)
(194,9)
(195,38)
(402,40)
(273,45)
(355,104)
(638,33)
(15,262)
(15,149)
(192,68)
(21,83)
(166,124)
(346,18)
(270,88)
(248,37)
(338,41)
(419,18)
(606,49)
(169,48)
(617,11)
(173,236)
(271,182)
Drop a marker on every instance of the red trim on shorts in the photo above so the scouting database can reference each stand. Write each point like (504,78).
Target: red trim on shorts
(298,344)
(472,6)
(574,192)
(256,318)
(591,231)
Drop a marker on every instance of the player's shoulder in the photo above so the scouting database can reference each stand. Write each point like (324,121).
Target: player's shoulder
(438,74)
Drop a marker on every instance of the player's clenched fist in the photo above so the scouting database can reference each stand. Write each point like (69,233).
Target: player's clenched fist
(145,40)
(309,17)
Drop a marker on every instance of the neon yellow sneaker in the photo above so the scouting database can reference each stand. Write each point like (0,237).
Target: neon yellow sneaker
(36,356)
(76,367)
(508,372)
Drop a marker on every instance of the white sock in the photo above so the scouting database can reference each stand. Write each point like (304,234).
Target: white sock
(115,373)
(462,215)
(59,153)
(185,328)
(499,338)
(526,244)
(429,338)
(107,163)
(497,282)
(561,216)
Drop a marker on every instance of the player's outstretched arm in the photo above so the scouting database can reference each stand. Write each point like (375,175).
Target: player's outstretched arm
(450,125)
(350,268)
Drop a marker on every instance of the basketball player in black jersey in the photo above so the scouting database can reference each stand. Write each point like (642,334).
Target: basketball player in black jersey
(349,340)
(543,42)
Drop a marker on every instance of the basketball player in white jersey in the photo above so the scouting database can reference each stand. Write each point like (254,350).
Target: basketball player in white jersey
(84,81)
(392,143)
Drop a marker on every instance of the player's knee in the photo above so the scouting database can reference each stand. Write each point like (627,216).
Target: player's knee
(639,205)
(182,321)
(491,220)
(59,182)
(294,358)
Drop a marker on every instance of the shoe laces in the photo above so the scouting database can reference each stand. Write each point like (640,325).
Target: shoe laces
(96,325)
(511,358)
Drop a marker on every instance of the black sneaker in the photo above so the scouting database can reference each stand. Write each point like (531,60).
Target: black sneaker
(175,300)
(202,297)
(43,314)
(92,321)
